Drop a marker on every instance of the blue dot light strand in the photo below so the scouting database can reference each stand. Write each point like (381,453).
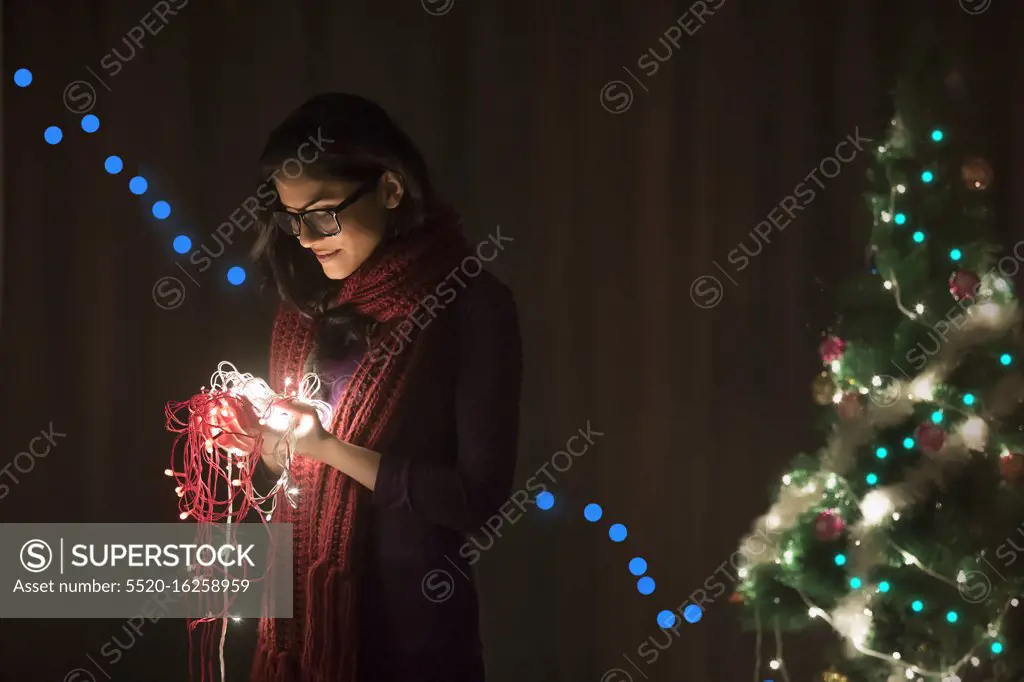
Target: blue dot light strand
(955,254)
(637,566)
(23,78)
(968,399)
(1005,359)
(666,619)
(952,616)
(113,165)
(884,586)
(900,218)
(881,453)
(138,185)
(53,135)
(871,479)
(692,613)
(855,583)
(937,416)
(917,606)
(840,559)
(545,500)
(617,532)
(918,236)
(236,276)
(927,176)
(937,135)
(592,512)
(90,123)
(182,244)
(996,648)
(908,443)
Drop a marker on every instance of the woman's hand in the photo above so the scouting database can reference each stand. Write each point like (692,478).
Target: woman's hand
(239,432)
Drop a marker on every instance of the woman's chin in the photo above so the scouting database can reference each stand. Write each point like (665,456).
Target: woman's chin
(336,270)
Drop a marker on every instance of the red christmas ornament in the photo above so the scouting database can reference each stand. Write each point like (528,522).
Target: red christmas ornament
(850,406)
(930,437)
(832,348)
(1011,467)
(963,285)
(829,525)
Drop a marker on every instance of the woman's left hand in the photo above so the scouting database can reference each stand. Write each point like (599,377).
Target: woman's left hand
(309,432)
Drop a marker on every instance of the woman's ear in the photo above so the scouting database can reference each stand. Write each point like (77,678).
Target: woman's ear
(390,189)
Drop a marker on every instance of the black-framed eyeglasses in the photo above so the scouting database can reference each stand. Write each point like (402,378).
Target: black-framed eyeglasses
(322,221)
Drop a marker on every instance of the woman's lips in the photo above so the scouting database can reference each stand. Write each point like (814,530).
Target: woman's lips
(327,255)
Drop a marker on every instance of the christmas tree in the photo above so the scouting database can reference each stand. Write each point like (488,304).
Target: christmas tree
(898,534)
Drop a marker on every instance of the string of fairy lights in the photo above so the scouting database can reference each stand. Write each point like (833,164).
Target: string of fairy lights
(991,313)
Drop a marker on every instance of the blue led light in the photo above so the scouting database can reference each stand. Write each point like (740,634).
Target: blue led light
(90,123)
(692,613)
(871,479)
(182,244)
(592,512)
(113,165)
(927,176)
(637,566)
(884,586)
(937,416)
(881,453)
(666,619)
(53,134)
(840,559)
(855,583)
(617,532)
(545,500)
(138,185)
(236,276)
(918,236)
(955,254)
(1005,359)
(161,210)
(937,135)
(899,218)
(968,398)
(908,443)
(918,606)
(645,585)
(22,78)
(952,616)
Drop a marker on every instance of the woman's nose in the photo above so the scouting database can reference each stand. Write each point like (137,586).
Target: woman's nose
(307,235)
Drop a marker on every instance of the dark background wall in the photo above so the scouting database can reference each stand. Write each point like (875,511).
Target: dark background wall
(613,218)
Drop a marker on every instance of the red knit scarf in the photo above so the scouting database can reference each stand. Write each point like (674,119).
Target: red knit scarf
(319,643)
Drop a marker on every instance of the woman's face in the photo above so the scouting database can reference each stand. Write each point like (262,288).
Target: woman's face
(362,223)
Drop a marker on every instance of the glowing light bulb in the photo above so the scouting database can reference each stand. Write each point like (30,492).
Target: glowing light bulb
(897,655)
(236,619)
(774,521)
(183,515)
(787,479)
(901,188)
(875,506)
(919,308)
(876,380)
(887,284)
(774,664)
(886,216)
(168,472)
(236,483)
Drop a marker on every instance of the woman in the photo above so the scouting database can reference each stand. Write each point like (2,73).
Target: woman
(419,353)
